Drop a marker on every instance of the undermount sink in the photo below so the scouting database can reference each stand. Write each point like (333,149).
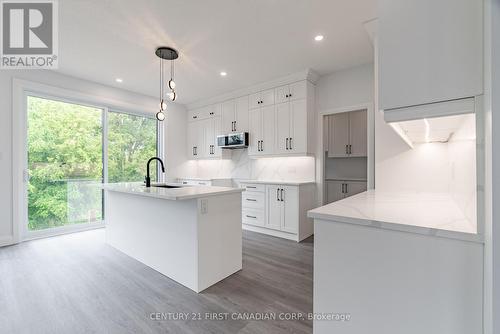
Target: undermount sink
(164,186)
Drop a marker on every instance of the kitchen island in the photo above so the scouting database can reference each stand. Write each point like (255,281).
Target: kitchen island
(397,262)
(191,234)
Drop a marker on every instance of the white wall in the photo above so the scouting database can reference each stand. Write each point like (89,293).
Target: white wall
(350,87)
(173,145)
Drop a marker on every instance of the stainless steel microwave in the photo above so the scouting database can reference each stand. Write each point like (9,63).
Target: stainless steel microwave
(233,140)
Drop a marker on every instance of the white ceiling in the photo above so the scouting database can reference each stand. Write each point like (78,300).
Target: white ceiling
(252,40)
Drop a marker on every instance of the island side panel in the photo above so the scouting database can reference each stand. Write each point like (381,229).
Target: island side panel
(160,233)
(393,282)
(220,238)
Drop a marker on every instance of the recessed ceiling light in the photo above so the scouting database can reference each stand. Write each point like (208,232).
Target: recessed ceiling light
(119,80)
(223,74)
(318,38)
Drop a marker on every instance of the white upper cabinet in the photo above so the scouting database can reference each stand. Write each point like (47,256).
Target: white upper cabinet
(262,99)
(429,51)
(235,115)
(262,131)
(241,115)
(291,92)
(228,117)
(285,128)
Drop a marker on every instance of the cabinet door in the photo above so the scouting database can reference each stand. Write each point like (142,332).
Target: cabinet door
(254,101)
(290,221)
(191,139)
(216,124)
(274,207)
(281,94)
(199,138)
(267,97)
(357,133)
(241,114)
(228,113)
(334,191)
(255,131)
(205,134)
(298,126)
(298,90)
(194,115)
(283,127)
(268,130)
(354,188)
(429,51)
(338,135)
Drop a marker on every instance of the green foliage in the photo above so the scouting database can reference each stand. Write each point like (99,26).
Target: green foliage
(65,159)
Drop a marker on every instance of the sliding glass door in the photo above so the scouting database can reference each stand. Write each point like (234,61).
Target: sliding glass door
(132,140)
(71,150)
(64,163)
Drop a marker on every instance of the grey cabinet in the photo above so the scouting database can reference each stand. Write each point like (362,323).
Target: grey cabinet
(338,189)
(347,134)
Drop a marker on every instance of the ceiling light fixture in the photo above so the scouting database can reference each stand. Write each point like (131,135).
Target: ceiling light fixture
(119,80)
(223,74)
(166,53)
(318,38)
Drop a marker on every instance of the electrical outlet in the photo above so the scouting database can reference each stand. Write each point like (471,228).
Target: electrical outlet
(204,206)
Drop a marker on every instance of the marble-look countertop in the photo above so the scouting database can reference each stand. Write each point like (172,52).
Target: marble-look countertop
(182,193)
(434,214)
(280,182)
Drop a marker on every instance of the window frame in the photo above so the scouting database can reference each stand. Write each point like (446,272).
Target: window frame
(21,89)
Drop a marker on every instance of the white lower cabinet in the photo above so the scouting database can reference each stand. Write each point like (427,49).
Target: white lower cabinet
(278,210)
(283,203)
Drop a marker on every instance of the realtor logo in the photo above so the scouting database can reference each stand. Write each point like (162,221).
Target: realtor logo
(29,34)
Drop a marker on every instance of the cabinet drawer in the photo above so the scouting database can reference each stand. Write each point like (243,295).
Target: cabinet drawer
(254,187)
(254,200)
(253,217)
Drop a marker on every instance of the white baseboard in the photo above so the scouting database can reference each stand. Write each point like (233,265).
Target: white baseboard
(274,233)
(7,240)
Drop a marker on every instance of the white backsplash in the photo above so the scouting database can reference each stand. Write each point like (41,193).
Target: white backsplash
(240,166)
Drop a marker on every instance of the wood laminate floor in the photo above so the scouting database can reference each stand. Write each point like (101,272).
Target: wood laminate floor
(78,284)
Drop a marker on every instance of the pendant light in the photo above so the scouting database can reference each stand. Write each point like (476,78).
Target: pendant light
(166,53)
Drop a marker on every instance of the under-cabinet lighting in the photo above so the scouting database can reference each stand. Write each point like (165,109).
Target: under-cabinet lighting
(223,74)
(319,38)
(119,80)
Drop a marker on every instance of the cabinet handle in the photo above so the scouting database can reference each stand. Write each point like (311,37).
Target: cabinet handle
(347,149)
(342,188)
(291,143)
(195,117)
(251,200)
(350,149)
(282,195)
(346,189)
(193,150)
(287,143)
(262,145)
(289,95)
(278,194)
(234,125)
(251,217)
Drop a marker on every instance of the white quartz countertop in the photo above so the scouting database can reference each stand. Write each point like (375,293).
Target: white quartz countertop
(181,193)
(424,213)
(281,182)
